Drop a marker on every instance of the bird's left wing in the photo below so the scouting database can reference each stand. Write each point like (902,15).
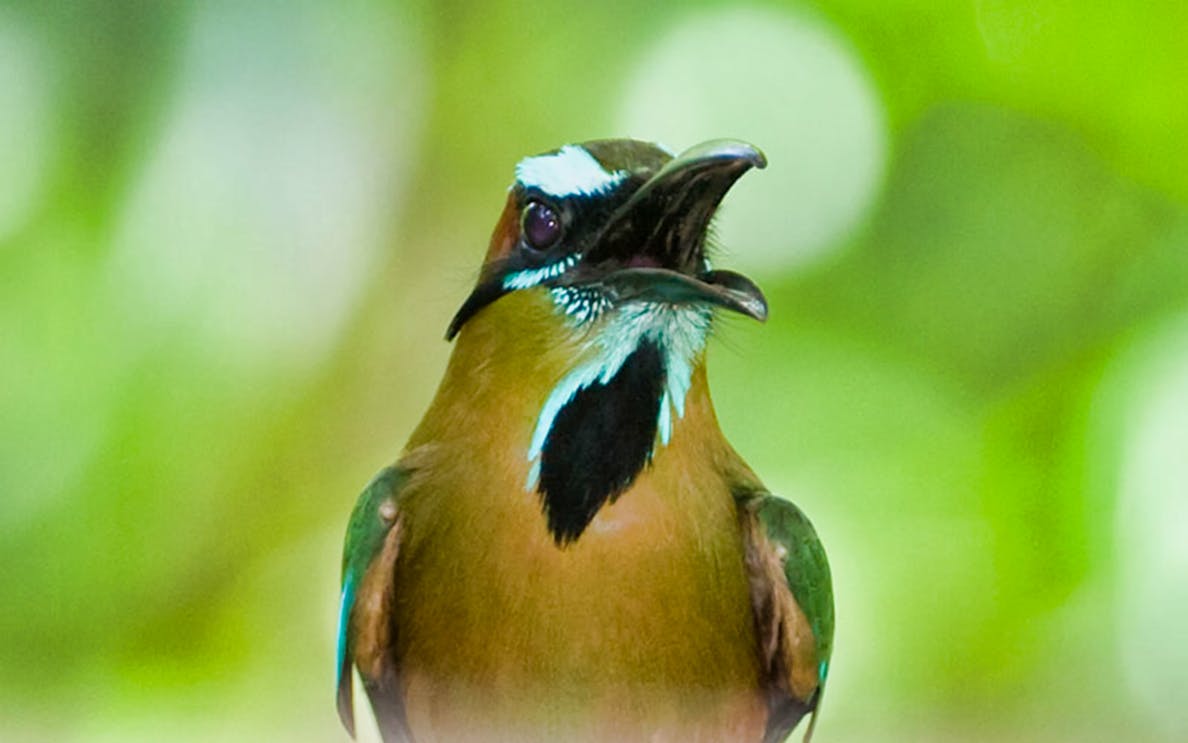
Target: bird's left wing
(365,610)
(792,597)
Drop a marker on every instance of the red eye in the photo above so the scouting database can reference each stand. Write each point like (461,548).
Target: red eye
(540,225)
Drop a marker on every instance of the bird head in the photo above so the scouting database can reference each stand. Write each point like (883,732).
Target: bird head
(609,237)
(617,223)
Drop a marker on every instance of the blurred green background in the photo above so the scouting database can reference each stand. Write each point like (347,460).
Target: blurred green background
(232,234)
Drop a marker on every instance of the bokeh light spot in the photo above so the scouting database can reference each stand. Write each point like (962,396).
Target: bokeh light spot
(790,84)
(265,203)
(25,124)
(1152,536)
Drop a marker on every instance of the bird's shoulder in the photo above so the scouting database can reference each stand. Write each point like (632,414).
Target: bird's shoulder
(369,558)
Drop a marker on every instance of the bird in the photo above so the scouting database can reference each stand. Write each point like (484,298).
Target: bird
(568,548)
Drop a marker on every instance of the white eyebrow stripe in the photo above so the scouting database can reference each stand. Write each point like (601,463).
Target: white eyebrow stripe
(570,171)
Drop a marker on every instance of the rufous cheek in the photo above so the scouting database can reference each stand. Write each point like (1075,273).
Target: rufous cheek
(506,234)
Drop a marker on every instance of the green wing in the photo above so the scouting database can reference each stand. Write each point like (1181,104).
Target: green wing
(791,588)
(375,516)
(806,569)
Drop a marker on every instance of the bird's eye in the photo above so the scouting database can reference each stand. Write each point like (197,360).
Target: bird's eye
(540,225)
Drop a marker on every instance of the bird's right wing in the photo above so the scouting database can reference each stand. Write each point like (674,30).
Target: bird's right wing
(365,615)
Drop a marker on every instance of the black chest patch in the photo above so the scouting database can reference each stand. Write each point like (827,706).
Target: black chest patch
(599,442)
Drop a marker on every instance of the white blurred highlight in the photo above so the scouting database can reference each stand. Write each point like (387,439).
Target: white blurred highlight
(1152,537)
(789,84)
(26,124)
(267,199)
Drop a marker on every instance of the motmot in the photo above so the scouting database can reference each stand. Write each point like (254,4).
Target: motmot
(568,548)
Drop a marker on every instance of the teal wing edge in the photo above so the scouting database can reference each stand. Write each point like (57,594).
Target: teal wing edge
(791,586)
(372,541)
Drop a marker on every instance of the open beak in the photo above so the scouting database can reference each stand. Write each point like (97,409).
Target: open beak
(653,247)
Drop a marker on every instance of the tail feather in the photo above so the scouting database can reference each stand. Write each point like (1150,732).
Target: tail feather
(388,704)
(784,714)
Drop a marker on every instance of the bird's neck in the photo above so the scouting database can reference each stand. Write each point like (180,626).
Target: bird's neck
(588,405)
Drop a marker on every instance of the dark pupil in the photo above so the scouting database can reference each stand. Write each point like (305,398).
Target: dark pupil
(541,226)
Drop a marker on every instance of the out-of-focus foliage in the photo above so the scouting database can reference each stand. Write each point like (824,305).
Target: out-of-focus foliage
(232,233)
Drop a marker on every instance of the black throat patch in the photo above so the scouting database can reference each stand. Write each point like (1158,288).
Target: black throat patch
(599,443)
